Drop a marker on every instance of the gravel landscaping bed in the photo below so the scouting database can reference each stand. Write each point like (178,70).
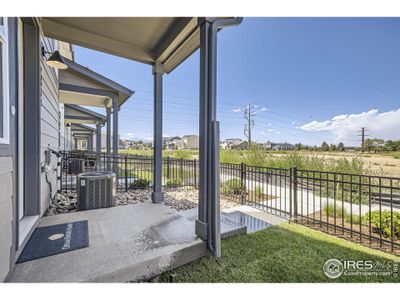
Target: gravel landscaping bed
(180,198)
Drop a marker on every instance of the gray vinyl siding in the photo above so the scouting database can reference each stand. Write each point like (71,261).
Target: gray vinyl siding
(6,214)
(50,123)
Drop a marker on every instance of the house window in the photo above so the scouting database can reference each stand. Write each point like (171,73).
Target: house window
(4,108)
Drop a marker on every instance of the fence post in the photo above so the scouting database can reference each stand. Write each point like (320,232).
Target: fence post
(243,182)
(195,173)
(126,173)
(294,177)
(181,167)
(168,167)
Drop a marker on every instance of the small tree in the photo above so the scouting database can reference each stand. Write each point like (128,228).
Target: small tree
(368,145)
(340,147)
(332,147)
(325,146)
(298,146)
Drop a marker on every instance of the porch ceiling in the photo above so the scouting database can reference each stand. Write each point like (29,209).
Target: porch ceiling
(169,40)
(68,97)
(82,129)
(79,115)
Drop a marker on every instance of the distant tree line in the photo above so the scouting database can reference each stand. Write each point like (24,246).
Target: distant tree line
(376,145)
(324,147)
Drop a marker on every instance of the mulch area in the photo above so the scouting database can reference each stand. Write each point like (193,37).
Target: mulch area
(343,230)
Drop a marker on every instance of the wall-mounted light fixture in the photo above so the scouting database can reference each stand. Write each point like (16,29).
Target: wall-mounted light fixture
(55,60)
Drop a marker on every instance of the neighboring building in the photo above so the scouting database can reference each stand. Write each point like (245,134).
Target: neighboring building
(278,146)
(126,144)
(190,142)
(33,127)
(239,145)
(225,144)
(234,143)
(172,143)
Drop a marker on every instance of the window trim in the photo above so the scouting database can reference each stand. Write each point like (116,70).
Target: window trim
(5,138)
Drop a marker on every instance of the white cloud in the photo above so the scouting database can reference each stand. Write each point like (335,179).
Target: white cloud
(344,127)
(294,123)
(264,109)
(236,110)
(270,131)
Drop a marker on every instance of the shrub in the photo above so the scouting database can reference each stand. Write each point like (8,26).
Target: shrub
(174,182)
(259,191)
(385,227)
(140,183)
(349,218)
(329,210)
(232,186)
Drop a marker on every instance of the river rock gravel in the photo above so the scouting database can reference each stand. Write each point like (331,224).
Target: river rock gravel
(180,198)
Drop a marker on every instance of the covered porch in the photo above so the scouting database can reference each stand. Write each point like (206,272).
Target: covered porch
(82,133)
(163,43)
(135,242)
(75,114)
(79,86)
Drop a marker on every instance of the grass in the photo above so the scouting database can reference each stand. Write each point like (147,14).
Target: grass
(284,253)
(259,157)
(330,211)
(288,159)
(184,153)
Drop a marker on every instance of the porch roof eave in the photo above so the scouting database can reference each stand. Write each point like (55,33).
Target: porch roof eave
(81,128)
(76,114)
(81,86)
(168,40)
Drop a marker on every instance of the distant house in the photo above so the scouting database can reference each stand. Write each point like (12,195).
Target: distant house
(190,142)
(172,143)
(241,145)
(278,146)
(226,144)
(125,144)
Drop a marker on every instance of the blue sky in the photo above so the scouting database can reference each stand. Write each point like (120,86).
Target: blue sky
(319,79)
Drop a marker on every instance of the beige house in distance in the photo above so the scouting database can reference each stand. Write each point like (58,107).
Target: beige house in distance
(190,142)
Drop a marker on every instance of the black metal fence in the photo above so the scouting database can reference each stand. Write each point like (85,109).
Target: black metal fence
(361,207)
(133,171)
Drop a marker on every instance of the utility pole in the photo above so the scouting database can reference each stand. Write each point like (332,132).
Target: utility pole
(249,114)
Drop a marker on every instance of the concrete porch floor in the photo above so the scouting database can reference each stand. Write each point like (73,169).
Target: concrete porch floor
(126,243)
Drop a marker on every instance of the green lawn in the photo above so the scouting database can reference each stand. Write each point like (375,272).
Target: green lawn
(284,253)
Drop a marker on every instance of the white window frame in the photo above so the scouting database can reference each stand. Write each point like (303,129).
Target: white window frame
(5,136)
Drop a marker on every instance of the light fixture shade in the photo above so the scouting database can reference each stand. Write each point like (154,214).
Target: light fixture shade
(56,61)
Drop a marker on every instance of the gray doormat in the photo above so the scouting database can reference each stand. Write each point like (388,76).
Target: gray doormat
(56,239)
